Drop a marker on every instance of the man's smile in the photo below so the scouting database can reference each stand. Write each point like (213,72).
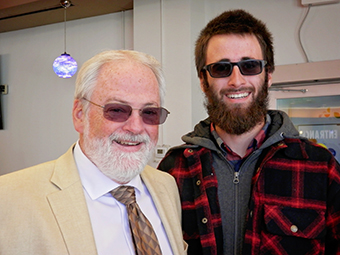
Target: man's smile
(238,96)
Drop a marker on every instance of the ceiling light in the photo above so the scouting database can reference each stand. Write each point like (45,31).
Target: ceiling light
(65,66)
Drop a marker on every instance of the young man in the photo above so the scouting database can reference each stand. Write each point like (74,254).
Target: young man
(248,183)
(68,206)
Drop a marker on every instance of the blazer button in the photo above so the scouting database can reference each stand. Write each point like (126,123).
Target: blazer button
(294,228)
(198,183)
(204,220)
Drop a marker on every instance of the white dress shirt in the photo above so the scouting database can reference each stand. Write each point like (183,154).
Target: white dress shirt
(109,218)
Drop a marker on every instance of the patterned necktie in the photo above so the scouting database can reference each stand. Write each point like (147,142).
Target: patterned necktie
(144,237)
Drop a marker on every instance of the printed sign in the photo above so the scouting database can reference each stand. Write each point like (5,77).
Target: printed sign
(325,135)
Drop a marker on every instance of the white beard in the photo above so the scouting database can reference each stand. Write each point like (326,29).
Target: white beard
(119,166)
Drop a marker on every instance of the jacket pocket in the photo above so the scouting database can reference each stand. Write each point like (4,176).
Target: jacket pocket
(295,222)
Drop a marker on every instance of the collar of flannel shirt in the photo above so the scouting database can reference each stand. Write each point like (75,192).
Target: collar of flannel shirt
(231,156)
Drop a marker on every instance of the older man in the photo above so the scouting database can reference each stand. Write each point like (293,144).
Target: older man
(77,203)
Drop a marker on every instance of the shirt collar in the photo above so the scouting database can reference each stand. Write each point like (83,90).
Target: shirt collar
(257,141)
(94,182)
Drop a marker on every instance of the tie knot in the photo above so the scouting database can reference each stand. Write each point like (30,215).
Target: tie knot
(124,194)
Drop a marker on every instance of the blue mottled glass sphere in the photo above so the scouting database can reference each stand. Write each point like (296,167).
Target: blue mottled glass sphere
(65,66)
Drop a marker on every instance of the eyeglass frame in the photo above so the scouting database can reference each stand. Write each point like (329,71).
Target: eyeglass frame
(140,111)
(208,67)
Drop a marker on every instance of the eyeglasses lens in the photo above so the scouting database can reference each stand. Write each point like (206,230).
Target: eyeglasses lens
(154,116)
(221,69)
(251,67)
(224,69)
(117,112)
(120,113)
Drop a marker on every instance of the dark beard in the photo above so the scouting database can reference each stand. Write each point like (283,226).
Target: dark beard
(236,120)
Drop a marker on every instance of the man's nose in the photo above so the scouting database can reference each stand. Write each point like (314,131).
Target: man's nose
(134,123)
(236,78)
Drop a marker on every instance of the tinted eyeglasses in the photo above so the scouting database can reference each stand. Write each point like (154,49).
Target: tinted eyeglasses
(224,69)
(122,112)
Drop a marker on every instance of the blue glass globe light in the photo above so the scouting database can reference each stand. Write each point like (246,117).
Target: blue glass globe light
(65,66)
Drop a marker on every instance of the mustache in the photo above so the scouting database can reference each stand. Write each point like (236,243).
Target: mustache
(129,137)
(232,90)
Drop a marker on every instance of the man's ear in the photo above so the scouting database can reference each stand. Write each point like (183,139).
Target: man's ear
(78,116)
(203,82)
(270,79)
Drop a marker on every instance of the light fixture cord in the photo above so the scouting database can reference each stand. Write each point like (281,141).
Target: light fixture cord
(65,30)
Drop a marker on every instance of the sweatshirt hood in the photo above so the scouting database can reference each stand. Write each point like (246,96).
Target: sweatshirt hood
(281,126)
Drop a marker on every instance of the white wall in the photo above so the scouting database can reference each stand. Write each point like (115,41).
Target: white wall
(176,29)
(37,110)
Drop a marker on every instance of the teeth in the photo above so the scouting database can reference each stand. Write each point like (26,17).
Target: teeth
(235,96)
(127,143)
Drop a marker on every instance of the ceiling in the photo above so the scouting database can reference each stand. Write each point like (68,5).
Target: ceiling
(20,14)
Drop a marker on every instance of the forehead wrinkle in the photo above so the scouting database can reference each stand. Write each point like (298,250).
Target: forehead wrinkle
(228,60)
(229,46)
(116,83)
(113,100)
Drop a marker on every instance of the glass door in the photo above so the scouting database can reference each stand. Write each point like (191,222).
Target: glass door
(315,112)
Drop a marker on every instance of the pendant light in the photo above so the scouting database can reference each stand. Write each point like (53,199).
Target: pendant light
(65,66)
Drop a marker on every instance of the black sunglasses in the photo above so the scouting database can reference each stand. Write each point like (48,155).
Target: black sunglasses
(121,113)
(224,69)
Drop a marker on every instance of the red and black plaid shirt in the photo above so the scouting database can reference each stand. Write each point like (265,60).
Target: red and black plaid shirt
(295,200)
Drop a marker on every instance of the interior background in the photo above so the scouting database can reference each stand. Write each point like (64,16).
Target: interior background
(37,110)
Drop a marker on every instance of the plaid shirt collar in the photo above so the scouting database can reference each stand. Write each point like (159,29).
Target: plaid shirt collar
(255,144)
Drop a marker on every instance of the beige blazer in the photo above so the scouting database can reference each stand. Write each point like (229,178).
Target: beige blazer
(43,210)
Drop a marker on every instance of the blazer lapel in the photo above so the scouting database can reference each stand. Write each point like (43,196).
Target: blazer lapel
(168,211)
(69,207)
